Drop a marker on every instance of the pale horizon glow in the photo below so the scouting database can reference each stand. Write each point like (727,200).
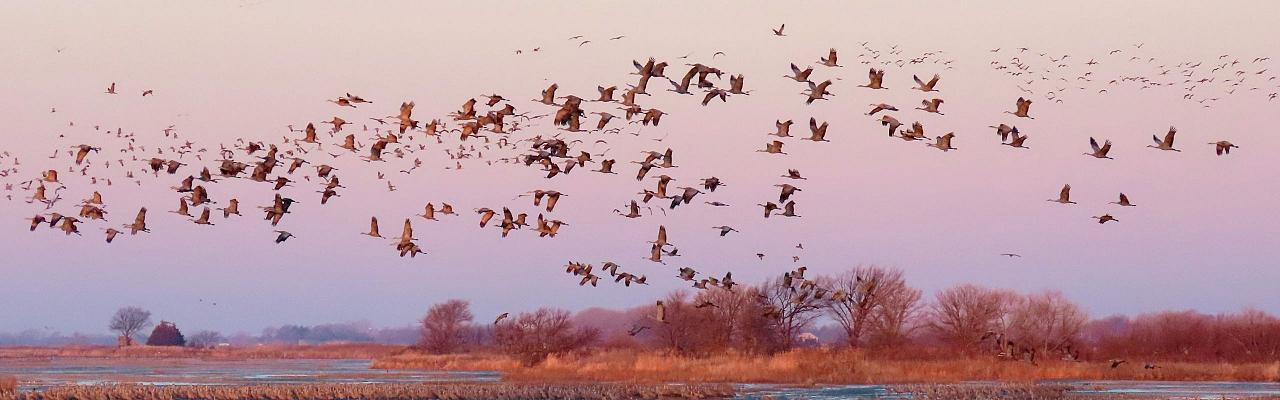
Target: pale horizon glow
(1203,237)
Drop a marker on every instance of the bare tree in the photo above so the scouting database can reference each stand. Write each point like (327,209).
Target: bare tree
(1047,322)
(964,314)
(535,336)
(205,339)
(128,321)
(864,294)
(724,311)
(897,317)
(445,327)
(794,307)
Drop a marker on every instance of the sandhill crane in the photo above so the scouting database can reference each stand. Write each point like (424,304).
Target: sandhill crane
(736,84)
(662,237)
(111,89)
(798,74)
(711,184)
(778,32)
(787,191)
(652,116)
(500,318)
(606,93)
(282,236)
(875,79)
(82,151)
(373,228)
(830,59)
(925,86)
(774,147)
(69,225)
(1167,143)
(713,93)
(943,142)
(818,133)
(633,210)
(429,212)
(682,87)
(1099,152)
(890,122)
(1064,196)
(1018,141)
(183,210)
(931,106)
(685,196)
(1004,130)
(660,312)
(406,233)
(816,91)
(769,207)
(549,95)
(724,229)
(784,128)
(1124,201)
(204,217)
(233,207)
(485,215)
(878,107)
(1023,108)
(789,209)
(794,174)
(111,234)
(139,223)
(1104,218)
(1223,147)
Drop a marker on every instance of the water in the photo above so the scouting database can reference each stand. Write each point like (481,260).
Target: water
(40,374)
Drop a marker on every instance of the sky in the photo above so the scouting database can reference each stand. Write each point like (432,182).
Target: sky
(1204,235)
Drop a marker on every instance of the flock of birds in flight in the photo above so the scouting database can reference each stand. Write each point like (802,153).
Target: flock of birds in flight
(490,131)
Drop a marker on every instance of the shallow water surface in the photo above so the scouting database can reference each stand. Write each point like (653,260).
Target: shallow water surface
(37,374)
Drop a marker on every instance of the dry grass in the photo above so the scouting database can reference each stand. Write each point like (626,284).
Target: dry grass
(324,351)
(381,391)
(815,366)
(8,385)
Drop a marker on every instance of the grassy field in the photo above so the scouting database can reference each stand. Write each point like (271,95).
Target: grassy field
(816,366)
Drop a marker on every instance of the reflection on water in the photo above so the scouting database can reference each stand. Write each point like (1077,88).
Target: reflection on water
(1187,390)
(1127,389)
(39,374)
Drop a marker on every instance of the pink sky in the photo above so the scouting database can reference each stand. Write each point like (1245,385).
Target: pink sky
(1204,235)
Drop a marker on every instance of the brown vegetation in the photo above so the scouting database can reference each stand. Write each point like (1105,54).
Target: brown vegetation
(815,366)
(886,335)
(383,391)
(445,326)
(8,385)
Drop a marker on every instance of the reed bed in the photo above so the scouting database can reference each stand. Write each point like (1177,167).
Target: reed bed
(815,366)
(322,351)
(380,391)
(8,385)
(1005,391)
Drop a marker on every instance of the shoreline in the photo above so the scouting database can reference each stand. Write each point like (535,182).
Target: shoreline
(798,367)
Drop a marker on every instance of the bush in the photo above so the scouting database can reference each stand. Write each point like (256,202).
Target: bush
(532,337)
(166,334)
(445,326)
